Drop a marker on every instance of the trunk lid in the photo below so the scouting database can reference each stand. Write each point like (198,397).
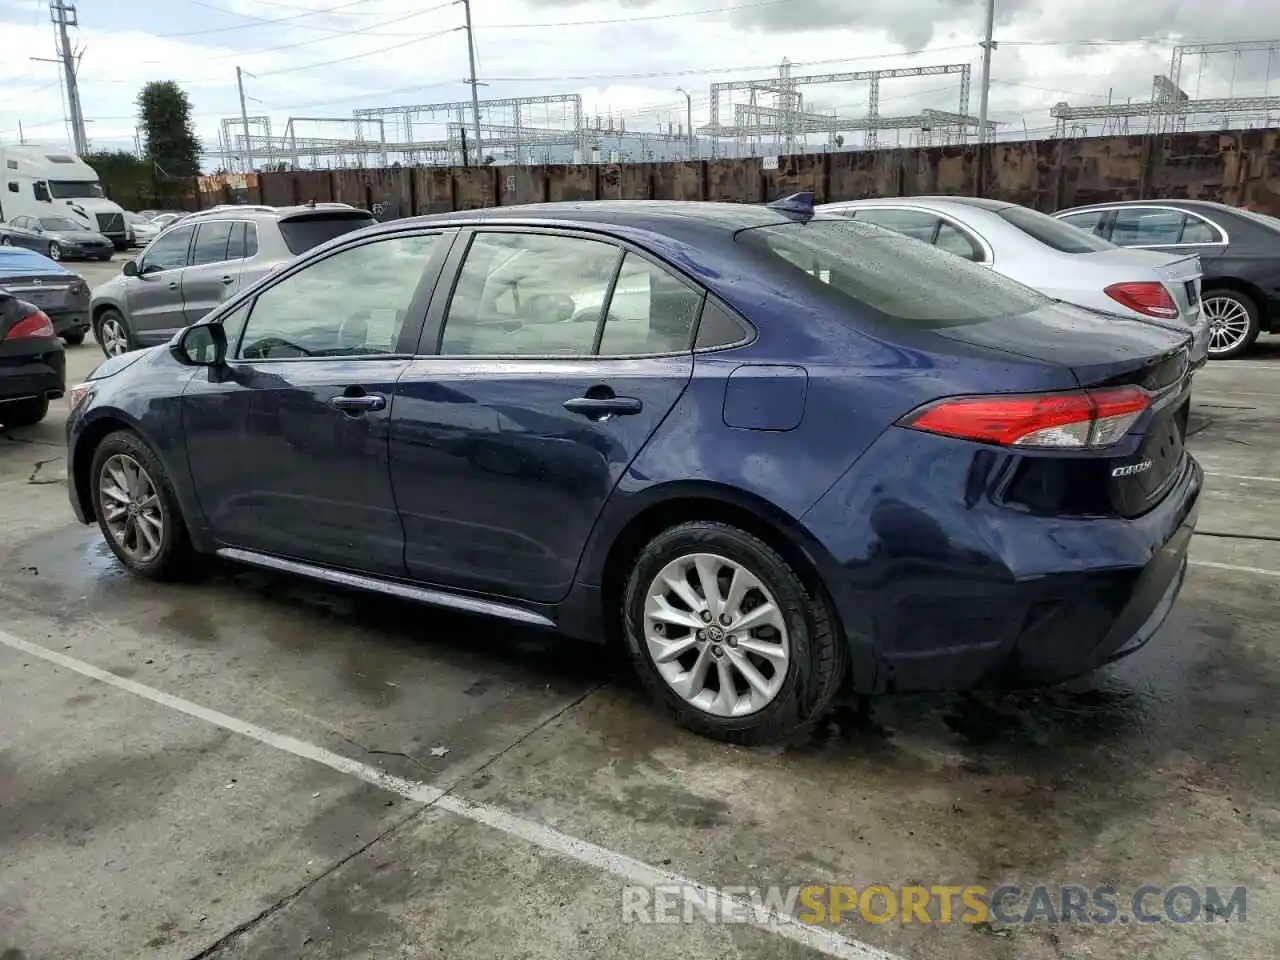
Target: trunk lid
(46,291)
(1180,275)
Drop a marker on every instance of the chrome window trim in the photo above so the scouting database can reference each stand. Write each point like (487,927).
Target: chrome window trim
(988,253)
(1214,225)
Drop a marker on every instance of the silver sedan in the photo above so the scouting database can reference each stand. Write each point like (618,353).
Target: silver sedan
(1059,260)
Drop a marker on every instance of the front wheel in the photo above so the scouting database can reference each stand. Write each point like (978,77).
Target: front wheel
(1233,323)
(726,636)
(113,334)
(5,242)
(137,509)
(55,252)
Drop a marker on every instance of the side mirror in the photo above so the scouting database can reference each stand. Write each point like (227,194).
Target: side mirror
(41,191)
(129,268)
(204,345)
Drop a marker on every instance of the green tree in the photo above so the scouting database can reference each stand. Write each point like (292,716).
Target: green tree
(127,179)
(170,145)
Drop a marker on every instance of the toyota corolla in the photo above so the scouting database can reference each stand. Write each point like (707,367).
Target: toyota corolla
(772,453)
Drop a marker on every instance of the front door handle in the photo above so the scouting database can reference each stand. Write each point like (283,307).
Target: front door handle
(357,405)
(601,408)
(173,284)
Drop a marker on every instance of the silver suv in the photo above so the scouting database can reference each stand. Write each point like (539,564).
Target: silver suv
(199,261)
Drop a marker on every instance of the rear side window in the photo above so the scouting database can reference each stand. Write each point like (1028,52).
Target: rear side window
(1139,226)
(303,233)
(1089,221)
(1062,237)
(913,223)
(860,265)
(650,311)
(211,243)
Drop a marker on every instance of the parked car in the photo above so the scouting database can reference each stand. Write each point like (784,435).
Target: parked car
(62,295)
(195,264)
(33,367)
(836,456)
(164,219)
(141,229)
(1065,263)
(1240,251)
(153,214)
(58,238)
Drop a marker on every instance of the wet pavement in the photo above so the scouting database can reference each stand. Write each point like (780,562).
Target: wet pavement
(130,827)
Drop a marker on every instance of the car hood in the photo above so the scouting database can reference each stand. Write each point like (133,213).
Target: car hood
(113,365)
(74,236)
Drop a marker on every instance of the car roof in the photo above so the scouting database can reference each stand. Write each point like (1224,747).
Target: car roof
(682,219)
(1205,205)
(267,214)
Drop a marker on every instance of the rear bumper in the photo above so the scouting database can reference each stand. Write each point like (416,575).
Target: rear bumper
(33,375)
(939,592)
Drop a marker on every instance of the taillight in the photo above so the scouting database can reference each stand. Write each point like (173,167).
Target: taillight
(75,289)
(1082,419)
(32,325)
(77,394)
(1149,298)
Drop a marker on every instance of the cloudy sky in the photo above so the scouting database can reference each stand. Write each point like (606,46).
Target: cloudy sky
(322,58)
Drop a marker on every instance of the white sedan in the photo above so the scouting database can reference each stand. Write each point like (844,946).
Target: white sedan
(1059,260)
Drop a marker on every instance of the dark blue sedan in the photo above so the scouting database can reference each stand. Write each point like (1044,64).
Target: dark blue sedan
(772,453)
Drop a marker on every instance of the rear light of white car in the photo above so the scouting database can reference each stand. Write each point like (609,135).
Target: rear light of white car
(31,326)
(1149,297)
(1079,420)
(77,395)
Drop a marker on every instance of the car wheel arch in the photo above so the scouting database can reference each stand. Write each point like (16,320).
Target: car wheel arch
(662,508)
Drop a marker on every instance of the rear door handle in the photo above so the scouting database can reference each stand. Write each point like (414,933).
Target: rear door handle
(173,284)
(359,404)
(601,408)
(228,280)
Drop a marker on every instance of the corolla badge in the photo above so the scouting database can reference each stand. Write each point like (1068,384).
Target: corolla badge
(1129,469)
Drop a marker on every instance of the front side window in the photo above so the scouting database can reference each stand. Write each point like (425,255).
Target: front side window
(1138,226)
(168,252)
(858,265)
(1054,234)
(529,294)
(650,311)
(59,223)
(350,304)
(211,242)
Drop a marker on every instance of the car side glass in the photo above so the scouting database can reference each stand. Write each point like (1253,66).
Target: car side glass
(650,312)
(954,240)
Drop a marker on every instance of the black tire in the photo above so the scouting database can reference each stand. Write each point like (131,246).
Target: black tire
(176,557)
(74,338)
(100,320)
(24,413)
(54,251)
(5,242)
(818,660)
(104,258)
(1250,308)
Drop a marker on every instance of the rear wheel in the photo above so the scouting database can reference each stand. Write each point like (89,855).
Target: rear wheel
(113,333)
(725,635)
(55,251)
(24,413)
(74,338)
(137,509)
(1233,323)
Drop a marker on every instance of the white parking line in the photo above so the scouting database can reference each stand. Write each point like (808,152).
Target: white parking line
(1234,568)
(1241,476)
(619,865)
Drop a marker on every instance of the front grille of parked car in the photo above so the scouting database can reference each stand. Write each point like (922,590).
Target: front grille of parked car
(110,223)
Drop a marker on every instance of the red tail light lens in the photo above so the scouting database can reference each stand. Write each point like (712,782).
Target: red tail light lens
(1079,420)
(32,325)
(1151,299)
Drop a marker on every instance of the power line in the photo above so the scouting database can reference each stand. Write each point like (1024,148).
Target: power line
(360,56)
(640,19)
(245,26)
(336,31)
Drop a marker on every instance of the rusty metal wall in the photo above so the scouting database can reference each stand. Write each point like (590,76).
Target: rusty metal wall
(1234,167)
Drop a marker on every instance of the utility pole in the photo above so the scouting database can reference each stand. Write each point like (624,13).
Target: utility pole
(987,46)
(688,106)
(475,84)
(244,119)
(21,138)
(63,15)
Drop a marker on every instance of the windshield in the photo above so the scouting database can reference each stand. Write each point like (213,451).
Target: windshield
(1061,236)
(893,274)
(59,223)
(73,189)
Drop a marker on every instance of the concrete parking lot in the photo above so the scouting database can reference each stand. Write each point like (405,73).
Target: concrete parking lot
(252,766)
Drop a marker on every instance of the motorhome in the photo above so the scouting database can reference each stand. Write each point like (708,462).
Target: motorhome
(43,181)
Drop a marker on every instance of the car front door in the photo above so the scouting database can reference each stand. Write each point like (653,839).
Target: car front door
(154,296)
(210,276)
(288,443)
(556,358)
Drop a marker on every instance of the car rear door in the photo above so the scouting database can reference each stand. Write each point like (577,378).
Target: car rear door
(288,443)
(556,356)
(210,277)
(154,296)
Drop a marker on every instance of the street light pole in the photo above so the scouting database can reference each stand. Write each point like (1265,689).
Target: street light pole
(688,103)
(987,46)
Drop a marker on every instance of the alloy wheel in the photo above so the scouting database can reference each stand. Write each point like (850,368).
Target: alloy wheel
(131,508)
(112,336)
(716,635)
(55,252)
(1228,323)
(5,242)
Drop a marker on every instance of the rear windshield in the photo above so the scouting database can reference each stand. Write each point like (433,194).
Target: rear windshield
(893,274)
(306,232)
(1063,237)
